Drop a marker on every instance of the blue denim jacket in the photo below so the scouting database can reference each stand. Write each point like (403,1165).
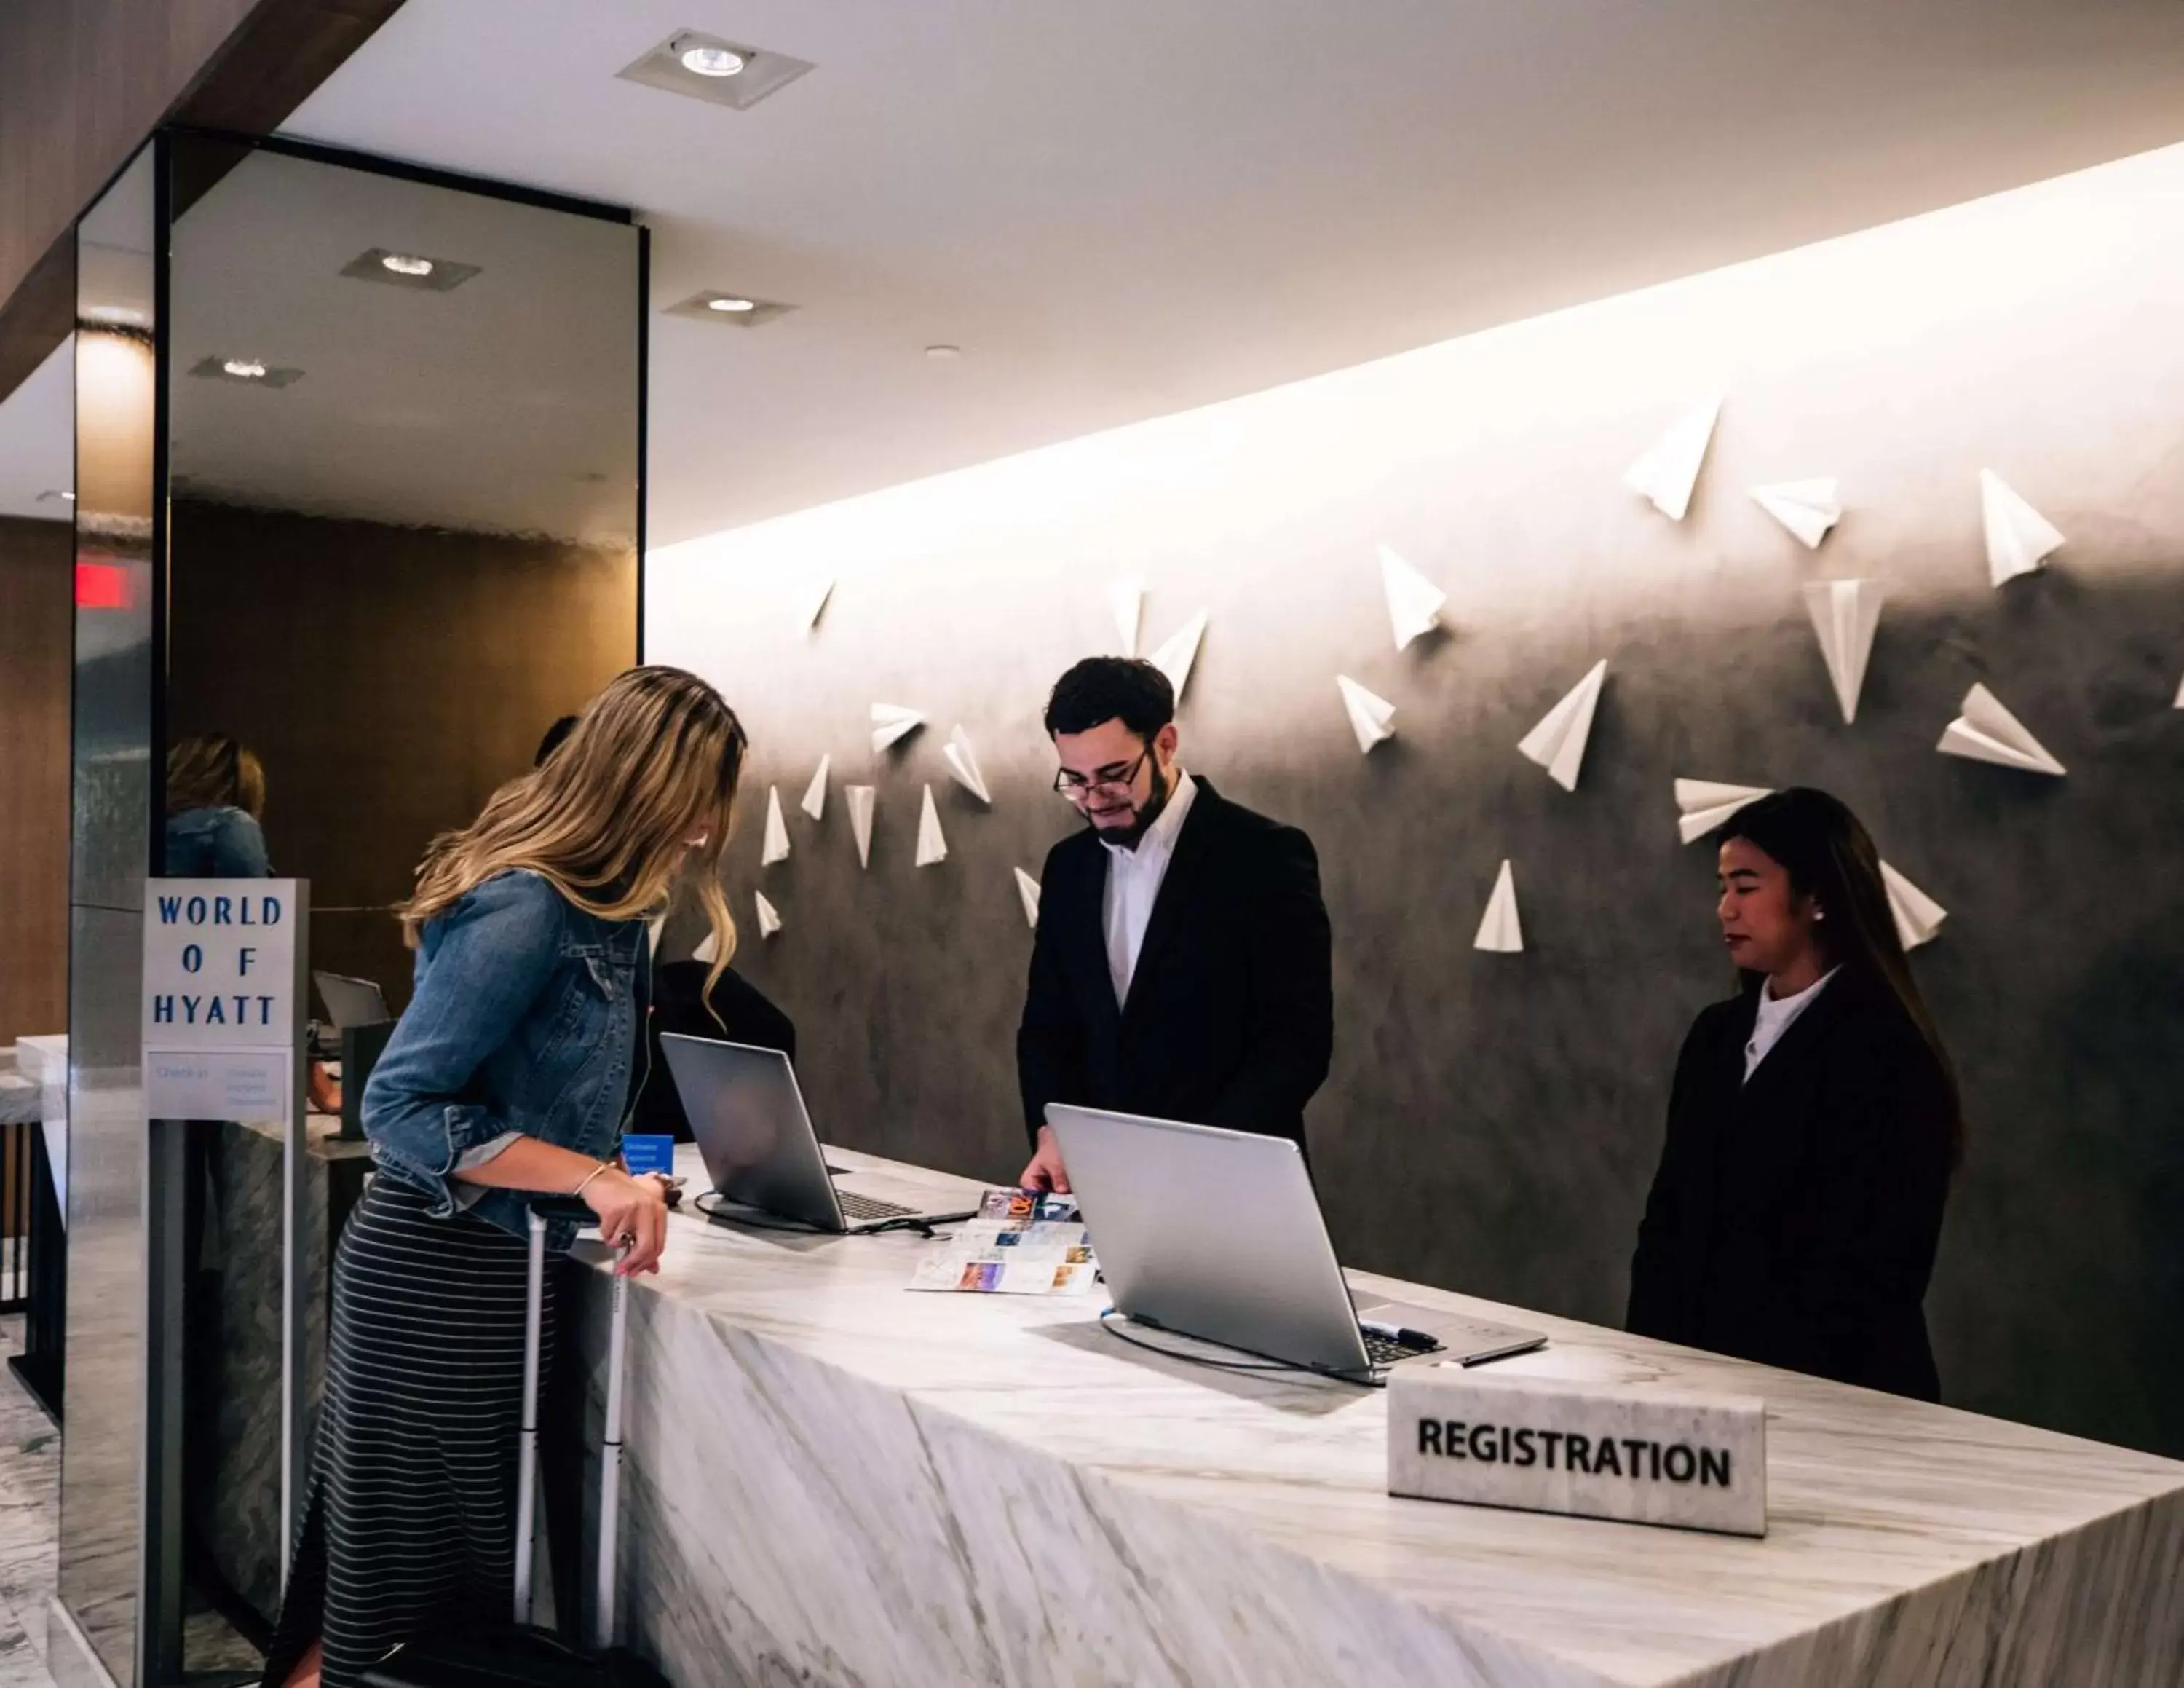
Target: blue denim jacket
(525,1022)
(222,843)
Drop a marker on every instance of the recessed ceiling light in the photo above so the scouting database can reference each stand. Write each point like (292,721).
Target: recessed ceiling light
(712,61)
(721,72)
(408,270)
(126,315)
(250,372)
(734,309)
(943,351)
(56,498)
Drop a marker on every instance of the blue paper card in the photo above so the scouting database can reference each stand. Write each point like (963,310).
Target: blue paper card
(643,1152)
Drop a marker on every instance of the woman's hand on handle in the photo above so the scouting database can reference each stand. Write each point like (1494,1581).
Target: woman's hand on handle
(632,1216)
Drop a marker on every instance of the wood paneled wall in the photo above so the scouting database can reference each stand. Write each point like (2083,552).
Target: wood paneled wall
(37,612)
(389,677)
(84,82)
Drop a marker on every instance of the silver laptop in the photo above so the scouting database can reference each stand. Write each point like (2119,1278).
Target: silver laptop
(1217,1234)
(351,1002)
(748,1117)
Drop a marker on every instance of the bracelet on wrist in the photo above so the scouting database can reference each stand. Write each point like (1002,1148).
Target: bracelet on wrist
(586,1180)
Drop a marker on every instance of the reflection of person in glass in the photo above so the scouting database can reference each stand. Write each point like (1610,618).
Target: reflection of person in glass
(508,1076)
(215,808)
(1813,1124)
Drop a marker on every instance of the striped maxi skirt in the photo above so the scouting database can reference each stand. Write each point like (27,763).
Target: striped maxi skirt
(410,1526)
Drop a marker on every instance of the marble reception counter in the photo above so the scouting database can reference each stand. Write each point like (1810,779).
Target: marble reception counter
(832,1480)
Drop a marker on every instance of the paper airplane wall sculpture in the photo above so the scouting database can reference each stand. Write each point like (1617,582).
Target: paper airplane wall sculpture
(1918,916)
(1807,508)
(932,842)
(1414,602)
(1126,598)
(1369,716)
(815,603)
(1175,657)
(1844,615)
(1028,890)
(892,723)
(1557,743)
(1667,470)
(1500,931)
(777,833)
(2180,696)
(1705,804)
(963,763)
(2018,537)
(708,950)
(769,917)
(861,820)
(815,794)
(1984,731)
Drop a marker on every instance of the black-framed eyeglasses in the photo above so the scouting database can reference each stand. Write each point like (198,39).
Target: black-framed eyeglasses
(1077,788)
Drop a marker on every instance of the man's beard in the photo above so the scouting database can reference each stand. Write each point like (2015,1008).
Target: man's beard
(1126,837)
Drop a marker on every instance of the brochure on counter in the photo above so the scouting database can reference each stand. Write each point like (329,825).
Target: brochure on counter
(1021,1243)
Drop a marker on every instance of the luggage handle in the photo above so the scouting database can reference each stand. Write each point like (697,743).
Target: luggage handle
(611,1445)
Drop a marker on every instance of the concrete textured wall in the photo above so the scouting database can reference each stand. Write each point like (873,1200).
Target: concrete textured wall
(1492,1122)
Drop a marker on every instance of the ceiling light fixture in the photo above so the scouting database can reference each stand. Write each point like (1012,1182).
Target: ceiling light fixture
(411,269)
(402,264)
(248,371)
(712,61)
(721,72)
(245,368)
(944,352)
(731,310)
(56,498)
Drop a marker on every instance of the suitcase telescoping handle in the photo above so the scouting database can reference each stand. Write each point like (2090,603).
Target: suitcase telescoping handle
(526,1493)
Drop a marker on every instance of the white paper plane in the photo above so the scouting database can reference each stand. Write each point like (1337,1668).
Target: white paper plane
(708,950)
(2018,537)
(2180,696)
(777,831)
(862,798)
(1174,658)
(963,763)
(1918,916)
(1369,716)
(1414,602)
(1846,613)
(815,603)
(1705,804)
(815,794)
(892,723)
(932,842)
(1557,743)
(1500,931)
(769,917)
(1126,598)
(1028,890)
(1807,508)
(1984,731)
(1666,471)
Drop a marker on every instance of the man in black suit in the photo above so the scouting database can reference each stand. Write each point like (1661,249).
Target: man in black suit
(1182,964)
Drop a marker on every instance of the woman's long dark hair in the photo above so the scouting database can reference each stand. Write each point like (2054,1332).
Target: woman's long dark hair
(1830,857)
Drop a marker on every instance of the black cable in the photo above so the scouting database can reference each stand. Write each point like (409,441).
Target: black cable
(1120,1335)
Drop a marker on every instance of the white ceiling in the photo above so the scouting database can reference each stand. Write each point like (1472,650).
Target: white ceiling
(37,440)
(1124,210)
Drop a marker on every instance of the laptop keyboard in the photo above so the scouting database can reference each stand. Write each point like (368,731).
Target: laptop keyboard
(1386,1350)
(865,1207)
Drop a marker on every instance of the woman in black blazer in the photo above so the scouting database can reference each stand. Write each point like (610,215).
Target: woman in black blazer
(1814,1124)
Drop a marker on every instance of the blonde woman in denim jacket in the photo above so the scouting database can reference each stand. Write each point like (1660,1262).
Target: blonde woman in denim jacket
(507,1078)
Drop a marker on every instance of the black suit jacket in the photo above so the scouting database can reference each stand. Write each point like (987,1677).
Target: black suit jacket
(1794,1219)
(1230,1020)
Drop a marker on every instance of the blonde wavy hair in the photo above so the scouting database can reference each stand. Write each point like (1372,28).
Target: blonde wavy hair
(604,819)
(213,771)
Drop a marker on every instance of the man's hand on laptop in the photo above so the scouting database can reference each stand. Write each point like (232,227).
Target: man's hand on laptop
(1046,1172)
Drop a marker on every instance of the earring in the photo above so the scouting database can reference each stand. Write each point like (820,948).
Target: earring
(1819,914)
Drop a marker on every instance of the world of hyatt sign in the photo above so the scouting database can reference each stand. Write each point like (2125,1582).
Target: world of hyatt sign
(220,997)
(1551,1444)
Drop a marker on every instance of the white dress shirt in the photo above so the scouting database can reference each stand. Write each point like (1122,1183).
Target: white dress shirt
(1775,1017)
(1134,883)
